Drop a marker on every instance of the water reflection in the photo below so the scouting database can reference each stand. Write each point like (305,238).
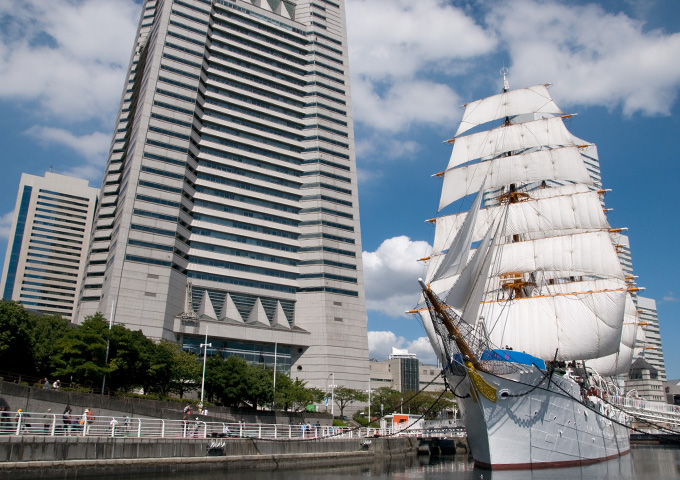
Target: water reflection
(649,463)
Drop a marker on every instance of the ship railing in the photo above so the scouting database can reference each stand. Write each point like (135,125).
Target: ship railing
(50,424)
(642,404)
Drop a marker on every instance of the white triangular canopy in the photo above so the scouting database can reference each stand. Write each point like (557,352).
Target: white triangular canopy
(258,315)
(534,99)
(280,319)
(206,309)
(229,310)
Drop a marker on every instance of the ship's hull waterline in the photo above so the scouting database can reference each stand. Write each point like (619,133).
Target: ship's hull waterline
(536,428)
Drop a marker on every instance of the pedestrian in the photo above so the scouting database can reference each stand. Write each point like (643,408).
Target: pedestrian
(205,411)
(48,421)
(89,417)
(112,426)
(197,426)
(22,420)
(47,384)
(225,431)
(56,384)
(200,408)
(187,409)
(126,424)
(84,421)
(66,420)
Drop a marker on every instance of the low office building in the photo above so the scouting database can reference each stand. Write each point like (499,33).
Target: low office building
(403,372)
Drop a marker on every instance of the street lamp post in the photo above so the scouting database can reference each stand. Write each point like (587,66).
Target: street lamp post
(205,354)
(108,343)
(332,386)
(369,401)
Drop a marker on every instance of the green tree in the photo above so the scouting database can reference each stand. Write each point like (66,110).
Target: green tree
(345,396)
(429,403)
(259,386)
(389,398)
(235,377)
(16,346)
(48,330)
(80,354)
(216,373)
(284,397)
(129,359)
(161,369)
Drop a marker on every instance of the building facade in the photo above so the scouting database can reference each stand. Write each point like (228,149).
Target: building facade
(652,350)
(403,372)
(50,234)
(230,204)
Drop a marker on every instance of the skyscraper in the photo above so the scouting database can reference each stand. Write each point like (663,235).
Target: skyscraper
(230,205)
(50,234)
(652,350)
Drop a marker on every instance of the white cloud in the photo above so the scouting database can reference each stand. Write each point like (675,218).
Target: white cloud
(391,274)
(403,103)
(6,225)
(670,297)
(396,47)
(380,345)
(69,56)
(397,38)
(593,57)
(93,147)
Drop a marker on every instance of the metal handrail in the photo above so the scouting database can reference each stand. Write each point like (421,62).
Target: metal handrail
(51,424)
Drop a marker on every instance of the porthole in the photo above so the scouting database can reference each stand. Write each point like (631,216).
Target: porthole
(299,367)
(504,394)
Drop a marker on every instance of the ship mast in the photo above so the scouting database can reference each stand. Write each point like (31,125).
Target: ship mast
(454,332)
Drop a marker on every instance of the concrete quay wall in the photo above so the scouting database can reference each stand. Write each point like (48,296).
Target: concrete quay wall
(68,457)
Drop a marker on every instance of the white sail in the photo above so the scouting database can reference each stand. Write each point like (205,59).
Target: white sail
(578,326)
(564,164)
(545,132)
(620,362)
(534,99)
(562,211)
(466,294)
(435,340)
(590,253)
(457,255)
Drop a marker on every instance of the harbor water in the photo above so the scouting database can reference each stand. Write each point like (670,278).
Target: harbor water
(643,463)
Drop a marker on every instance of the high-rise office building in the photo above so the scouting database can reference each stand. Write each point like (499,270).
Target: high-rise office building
(48,242)
(230,205)
(652,350)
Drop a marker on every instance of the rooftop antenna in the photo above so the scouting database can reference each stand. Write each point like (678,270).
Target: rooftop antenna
(506,85)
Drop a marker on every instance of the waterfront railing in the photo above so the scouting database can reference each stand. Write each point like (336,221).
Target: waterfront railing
(49,424)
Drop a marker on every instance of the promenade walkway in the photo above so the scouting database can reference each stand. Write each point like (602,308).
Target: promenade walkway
(48,424)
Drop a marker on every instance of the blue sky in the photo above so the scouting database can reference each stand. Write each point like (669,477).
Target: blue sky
(615,63)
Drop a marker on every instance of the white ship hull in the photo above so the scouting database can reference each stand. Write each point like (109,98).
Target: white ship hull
(529,428)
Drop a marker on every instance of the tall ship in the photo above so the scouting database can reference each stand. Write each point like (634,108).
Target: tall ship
(525,301)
